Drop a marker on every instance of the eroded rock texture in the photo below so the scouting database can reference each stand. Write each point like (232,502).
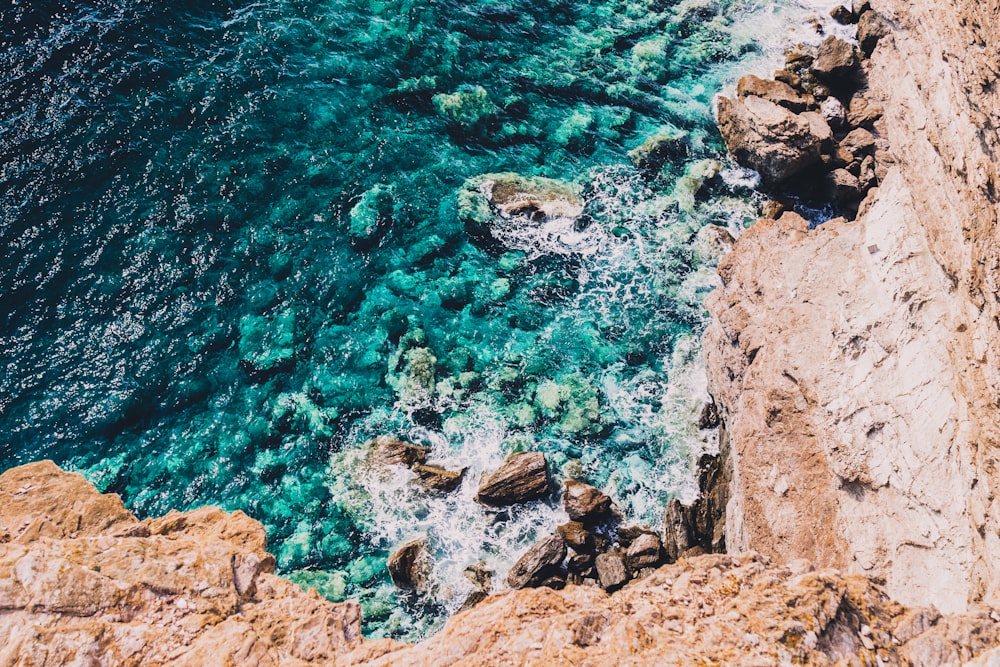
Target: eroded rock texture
(856,364)
(83,582)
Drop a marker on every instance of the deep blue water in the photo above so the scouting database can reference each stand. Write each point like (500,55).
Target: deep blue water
(188,320)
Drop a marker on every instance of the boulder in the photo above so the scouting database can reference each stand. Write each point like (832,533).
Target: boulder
(769,138)
(871,28)
(862,112)
(542,561)
(576,536)
(843,15)
(859,142)
(645,551)
(611,570)
(835,60)
(585,503)
(778,92)
(435,478)
(833,112)
(391,450)
(410,566)
(843,187)
(521,478)
(480,575)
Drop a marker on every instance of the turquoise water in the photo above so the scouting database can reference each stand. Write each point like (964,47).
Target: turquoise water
(233,251)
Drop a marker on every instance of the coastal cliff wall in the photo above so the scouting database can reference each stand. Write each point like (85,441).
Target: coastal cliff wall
(855,365)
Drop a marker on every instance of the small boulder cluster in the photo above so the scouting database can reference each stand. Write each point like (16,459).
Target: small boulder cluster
(590,549)
(812,132)
(393,451)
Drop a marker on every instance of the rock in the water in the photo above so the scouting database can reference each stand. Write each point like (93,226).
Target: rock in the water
(668,145)
(577,536)
(770,139)
(778,92)
(835,60)
(410,565)
(542,561)
(644,551)
(585,503)
(843,15)
(394,451)
(611,570)
(436,478)
(480,575)
(370,216)
(521,478)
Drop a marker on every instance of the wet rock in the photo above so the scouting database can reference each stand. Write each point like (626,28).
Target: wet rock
(541,562)
(577,536)
(585,503)
(778,92)
(645,551)
(480,575)
(871,28)
(475,597)
(410,565)
(843,15)
(393,451)
(611,570)
(435,478)
(835,60)
(521,478)
(799,57)
(492,201)
(666,146)
(768,138)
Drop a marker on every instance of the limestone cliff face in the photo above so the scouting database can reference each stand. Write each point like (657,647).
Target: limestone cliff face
(856,364)
(82,582)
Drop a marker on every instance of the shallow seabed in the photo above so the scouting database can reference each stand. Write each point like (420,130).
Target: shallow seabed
(231,252)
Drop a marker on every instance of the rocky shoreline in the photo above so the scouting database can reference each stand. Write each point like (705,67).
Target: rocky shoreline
(855,375)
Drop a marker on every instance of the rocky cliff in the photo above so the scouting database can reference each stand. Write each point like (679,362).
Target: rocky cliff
(856,364)
(82,582)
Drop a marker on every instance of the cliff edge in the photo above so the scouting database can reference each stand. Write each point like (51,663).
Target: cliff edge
(855,364)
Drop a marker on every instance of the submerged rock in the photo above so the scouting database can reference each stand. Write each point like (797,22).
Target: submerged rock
(539,564)
(521,478)
(669,145)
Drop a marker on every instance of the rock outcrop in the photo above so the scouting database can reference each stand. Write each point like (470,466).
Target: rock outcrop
(856,365)
(83,582)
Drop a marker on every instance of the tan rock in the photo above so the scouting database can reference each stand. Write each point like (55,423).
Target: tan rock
(522,477)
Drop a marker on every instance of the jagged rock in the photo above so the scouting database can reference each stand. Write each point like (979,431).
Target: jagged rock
(771,139)
(541,562)
(843,15)
(834,113)
(521,478)
(859,142)
(393,451)
(480,575)
(866,174)
(585,503)
(410,566)
(611,570)
(645,551)
(577,536)
(871,28)
(843,187)
(772,209)
(777,92)
(435,478)
(580,563)
(83,581)
(835,60)
(863,112)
